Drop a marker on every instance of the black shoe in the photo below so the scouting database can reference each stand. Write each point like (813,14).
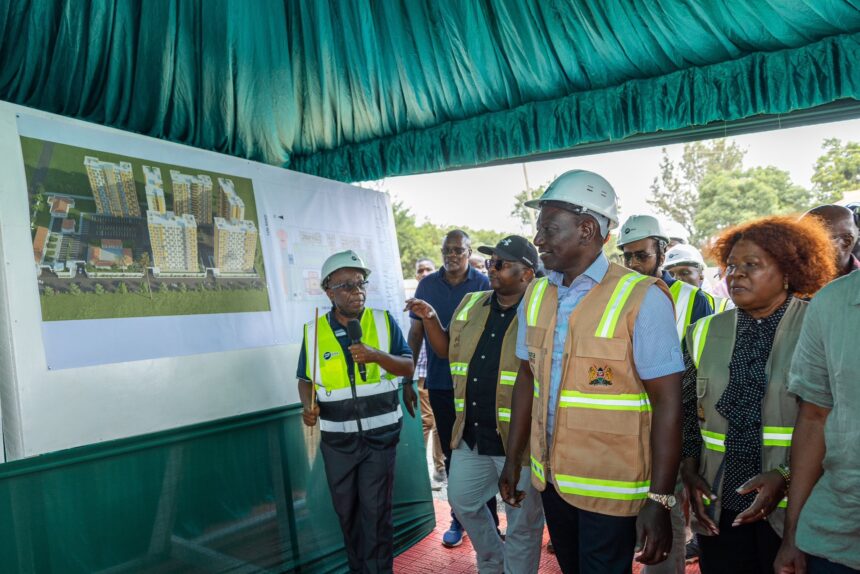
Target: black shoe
(692,551)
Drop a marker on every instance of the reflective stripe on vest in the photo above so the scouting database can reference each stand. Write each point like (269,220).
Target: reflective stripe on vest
(459,369)
(537,469)
(714,440)
(505,415)
(700,334)
(535,300)
(606,327)
(683,295)
(777,436)
(605,402)
(368,423)
(507,378)
(598,488)
(464,312)
(459,405)
(720,305)
(537,389)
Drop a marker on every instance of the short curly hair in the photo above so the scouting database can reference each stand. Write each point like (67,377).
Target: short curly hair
(801,248)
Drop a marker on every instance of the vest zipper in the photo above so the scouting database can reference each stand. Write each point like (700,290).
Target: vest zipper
(355,399)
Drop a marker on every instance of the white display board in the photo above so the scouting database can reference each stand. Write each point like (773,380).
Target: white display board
(72,373)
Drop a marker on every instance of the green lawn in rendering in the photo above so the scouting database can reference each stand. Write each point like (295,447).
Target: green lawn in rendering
(68,307)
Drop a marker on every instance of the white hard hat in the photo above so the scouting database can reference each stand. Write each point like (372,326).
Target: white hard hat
(684,255)
(677,231)
(344,260)
(583,189)
(639,227)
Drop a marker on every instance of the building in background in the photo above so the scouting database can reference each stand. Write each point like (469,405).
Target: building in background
(235,245)
(154,190)
(113,187)
(230,205)
(173,239)
(192,194)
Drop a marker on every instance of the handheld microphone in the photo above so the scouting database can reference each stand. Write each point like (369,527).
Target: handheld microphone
(353,331)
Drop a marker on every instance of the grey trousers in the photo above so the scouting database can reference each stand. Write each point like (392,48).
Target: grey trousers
(361,484)
(474,478)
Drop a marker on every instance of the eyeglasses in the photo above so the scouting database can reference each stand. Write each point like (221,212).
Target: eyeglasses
(640,256)
(744,268)
(349,286)
(454,250)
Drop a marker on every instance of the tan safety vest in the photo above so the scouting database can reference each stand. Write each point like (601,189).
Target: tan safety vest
(711,343)
(465,332)
(600,457)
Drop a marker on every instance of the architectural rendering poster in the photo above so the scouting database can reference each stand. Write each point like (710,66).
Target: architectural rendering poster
(139,251)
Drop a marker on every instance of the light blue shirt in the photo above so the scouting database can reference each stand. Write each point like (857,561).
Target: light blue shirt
(656,349)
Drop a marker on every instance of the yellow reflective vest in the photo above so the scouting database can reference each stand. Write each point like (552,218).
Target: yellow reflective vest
(337,392)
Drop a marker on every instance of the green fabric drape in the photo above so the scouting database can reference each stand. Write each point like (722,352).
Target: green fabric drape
(245,494)
(358,89)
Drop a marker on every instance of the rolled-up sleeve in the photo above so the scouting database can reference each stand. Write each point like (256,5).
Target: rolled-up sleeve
(808,377)
(522,350)
(656,348)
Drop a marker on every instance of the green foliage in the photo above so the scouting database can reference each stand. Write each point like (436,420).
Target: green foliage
(183,288)
(708,189)
(836,171)
(527,215)
(163,288)
(122,288)
(419,241)
(74,289)
(48,291)
(98,289)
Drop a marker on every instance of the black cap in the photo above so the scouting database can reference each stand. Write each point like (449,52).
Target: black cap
(514,248)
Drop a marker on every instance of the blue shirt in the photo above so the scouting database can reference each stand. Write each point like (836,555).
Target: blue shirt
(656,348)
(444,298)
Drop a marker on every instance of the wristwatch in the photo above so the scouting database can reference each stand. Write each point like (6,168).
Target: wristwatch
(667,501)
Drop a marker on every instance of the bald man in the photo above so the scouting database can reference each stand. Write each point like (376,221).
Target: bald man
(843,233)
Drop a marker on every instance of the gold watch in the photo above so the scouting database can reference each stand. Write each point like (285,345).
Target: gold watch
(667,501)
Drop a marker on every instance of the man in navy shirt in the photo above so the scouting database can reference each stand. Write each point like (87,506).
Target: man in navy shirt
(444,290)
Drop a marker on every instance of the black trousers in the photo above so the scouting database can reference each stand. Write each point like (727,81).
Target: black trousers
(588,542)
(816,565)
(747,549)
(361,484)
(442,403)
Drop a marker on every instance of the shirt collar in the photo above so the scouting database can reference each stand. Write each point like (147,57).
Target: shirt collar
(596,271)
(494,301)
(470,274)
(855,263)
(667,279)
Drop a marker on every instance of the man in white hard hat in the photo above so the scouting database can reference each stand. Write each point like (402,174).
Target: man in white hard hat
(358,408)
(598,392)
(643,242)
(685,263)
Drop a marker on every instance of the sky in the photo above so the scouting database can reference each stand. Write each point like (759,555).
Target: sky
(483,198)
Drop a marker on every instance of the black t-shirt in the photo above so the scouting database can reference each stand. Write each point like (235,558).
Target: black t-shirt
(480,424)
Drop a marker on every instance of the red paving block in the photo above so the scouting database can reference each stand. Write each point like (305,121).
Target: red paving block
(430,557)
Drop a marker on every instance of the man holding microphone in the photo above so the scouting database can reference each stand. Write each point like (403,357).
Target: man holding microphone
(353,356)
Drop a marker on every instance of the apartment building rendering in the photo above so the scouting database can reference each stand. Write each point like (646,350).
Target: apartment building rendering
(192,194)
(230,205)
(235,245)
(154,190)
(113,187)
(173,240)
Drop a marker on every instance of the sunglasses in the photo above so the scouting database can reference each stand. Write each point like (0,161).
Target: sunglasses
(499,264)
(349,286)
(640,256)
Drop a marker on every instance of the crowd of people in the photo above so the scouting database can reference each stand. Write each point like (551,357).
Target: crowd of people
(639,411)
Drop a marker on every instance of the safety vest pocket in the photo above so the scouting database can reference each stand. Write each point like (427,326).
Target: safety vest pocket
(701,387)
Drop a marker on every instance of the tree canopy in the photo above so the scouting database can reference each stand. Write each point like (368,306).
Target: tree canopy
(837,170)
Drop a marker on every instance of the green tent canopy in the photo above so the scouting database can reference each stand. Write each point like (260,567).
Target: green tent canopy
(360,89)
